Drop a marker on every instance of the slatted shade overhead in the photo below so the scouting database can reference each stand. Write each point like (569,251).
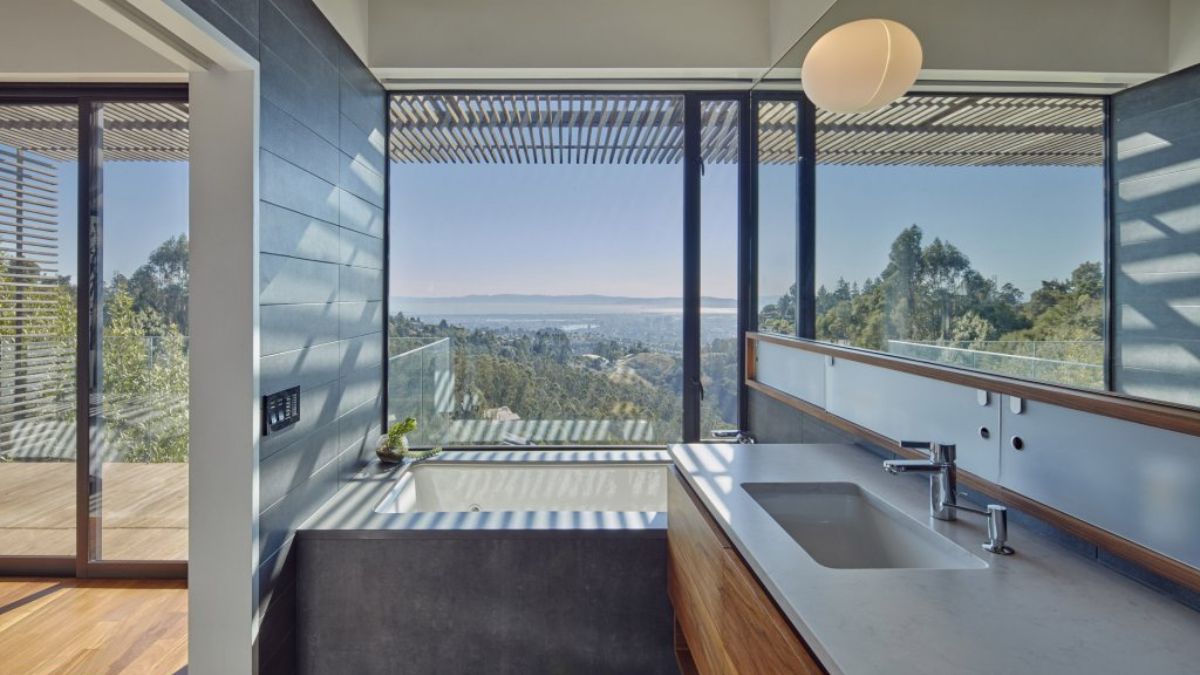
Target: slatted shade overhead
(648,129)
(132,131)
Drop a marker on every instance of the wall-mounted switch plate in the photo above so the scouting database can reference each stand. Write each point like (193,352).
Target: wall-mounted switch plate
(280,410)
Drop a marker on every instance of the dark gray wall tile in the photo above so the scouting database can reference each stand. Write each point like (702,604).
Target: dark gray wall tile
(360,284)
(287,138)
(360,250)
(278,523)
(359,215)
(295,280)
(286,327)
(360,386)
(305,368)
(287,185)
(361,180)
(294,234)
(237,19)
(365,351)
(292,466)
(365,145)
(363,99)
(305,96)
(359,318)
(308,20)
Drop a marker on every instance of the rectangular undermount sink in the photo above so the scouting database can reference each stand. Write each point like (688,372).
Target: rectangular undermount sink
(843,526)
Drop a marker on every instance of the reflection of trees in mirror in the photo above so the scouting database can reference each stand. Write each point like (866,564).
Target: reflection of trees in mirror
(780,316)
(929,303)
(144,360)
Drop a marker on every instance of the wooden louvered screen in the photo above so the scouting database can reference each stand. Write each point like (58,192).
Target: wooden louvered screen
(924,130)
(36,313)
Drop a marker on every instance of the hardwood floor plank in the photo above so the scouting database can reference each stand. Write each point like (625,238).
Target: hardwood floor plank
(92,627)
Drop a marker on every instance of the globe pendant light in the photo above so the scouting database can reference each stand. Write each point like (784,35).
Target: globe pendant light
(861,66)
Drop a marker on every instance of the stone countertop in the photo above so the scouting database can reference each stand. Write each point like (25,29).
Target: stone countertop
(351,511)
(1043,610)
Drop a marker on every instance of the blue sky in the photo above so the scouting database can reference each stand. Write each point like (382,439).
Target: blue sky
(145,203)
(617,230)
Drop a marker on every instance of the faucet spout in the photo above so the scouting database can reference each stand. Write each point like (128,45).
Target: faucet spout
(898,466)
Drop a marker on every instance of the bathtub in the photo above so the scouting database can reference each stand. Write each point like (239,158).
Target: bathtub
(507,562)
(525,481)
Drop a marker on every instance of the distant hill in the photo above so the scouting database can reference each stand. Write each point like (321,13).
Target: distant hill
(513,303)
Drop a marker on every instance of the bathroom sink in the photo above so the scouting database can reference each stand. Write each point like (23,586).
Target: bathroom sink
(843,526)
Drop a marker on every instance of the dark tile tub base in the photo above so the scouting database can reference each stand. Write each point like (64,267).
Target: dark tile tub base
(524,602)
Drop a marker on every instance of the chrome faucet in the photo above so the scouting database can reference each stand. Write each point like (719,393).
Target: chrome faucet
(943,491)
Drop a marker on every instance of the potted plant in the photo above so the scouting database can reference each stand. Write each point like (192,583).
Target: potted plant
(393,447)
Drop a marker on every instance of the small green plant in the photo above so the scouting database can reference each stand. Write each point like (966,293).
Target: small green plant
(396,432)
(395,445)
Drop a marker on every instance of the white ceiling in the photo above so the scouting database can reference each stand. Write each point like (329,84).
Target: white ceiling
(59,40)
(493,43)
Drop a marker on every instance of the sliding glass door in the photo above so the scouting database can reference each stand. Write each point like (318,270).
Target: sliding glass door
(93,331)
(38,178)
(140,439)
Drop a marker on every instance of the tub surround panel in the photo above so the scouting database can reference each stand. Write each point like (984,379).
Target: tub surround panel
(552,603)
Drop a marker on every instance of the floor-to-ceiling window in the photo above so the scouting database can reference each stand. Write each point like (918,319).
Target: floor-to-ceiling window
(778,213)
(93,328)
(720,122)
(537,268)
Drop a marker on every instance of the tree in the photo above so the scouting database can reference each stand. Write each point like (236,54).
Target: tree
(161,284)
(780,317)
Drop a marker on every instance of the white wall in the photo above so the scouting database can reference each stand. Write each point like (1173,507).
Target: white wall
(223,399)
(568,34)
(57,40)
(1184,42)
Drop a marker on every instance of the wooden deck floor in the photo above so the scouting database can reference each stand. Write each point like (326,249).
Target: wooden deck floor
(145,510)
(68,626)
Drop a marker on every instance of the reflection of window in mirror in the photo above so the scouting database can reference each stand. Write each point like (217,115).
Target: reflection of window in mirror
(982,242)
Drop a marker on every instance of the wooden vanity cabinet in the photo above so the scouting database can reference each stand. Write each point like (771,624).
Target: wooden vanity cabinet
(725,622)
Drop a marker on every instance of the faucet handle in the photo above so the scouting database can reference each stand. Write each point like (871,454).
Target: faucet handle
(937,452)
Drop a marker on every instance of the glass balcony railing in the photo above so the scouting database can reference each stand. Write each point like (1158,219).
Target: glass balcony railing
(1076,363)
(421,386)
